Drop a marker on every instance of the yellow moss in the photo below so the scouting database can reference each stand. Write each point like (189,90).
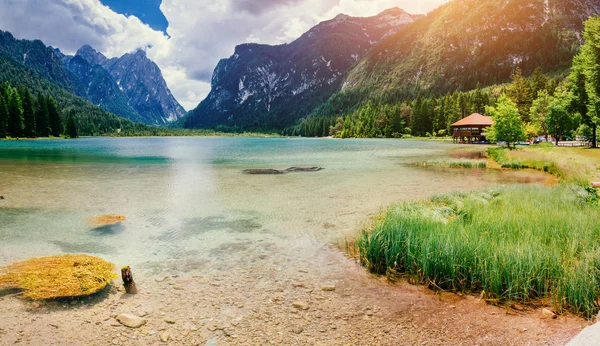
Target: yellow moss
(104,220)
(58,276)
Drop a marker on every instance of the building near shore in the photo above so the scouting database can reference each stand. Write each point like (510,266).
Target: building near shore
(471,129)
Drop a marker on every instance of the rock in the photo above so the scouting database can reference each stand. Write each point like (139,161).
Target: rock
(300,305)
(131,321)
(164,337)
(170,320)
(548,313)
(160,279)
(212,327)
(297,330)
(328,288)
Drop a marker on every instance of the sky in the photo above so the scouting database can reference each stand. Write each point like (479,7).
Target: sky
(186,38)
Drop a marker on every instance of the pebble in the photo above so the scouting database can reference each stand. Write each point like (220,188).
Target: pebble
(328,288)
(170,320)
(549,313)
(131,321)
(164,337)
(297,330)
(300,305)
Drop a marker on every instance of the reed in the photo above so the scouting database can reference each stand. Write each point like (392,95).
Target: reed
(528,244)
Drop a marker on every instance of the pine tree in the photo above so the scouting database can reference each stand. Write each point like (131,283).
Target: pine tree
(15,114)
(71,128)
(521,94)
(539,82)
(3,116)
(54,118)
(28,113)
(42,124)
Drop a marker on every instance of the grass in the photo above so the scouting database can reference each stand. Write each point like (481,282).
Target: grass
(453,163)
(571,165)
(54,277)
(527,244)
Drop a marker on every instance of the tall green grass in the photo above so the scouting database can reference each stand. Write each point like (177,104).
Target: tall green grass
(448,163)
(516,244)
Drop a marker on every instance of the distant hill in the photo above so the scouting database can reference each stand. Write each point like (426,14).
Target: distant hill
(264,86)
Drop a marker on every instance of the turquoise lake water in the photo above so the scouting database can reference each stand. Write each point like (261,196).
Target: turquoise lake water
(188,202)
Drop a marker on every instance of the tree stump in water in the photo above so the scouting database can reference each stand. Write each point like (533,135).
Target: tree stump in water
(128,282)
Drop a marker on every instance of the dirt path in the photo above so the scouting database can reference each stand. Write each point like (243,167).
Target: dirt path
(269,300)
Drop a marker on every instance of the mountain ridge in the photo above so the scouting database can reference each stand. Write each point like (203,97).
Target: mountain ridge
(257,84)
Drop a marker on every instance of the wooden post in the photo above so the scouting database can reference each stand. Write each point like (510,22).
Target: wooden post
(128,280)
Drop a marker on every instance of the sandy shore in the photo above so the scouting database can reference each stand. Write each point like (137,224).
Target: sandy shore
(269,300)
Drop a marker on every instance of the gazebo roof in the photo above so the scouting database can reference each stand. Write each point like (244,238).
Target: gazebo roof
(474,119)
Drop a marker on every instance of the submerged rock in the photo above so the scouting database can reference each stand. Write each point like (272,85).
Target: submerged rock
(277,171)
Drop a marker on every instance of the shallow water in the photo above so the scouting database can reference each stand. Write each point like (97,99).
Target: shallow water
(190,207)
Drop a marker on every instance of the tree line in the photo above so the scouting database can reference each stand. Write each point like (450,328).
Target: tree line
(567,110)
(24,116)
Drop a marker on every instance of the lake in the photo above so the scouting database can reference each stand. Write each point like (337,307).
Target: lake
(186,199)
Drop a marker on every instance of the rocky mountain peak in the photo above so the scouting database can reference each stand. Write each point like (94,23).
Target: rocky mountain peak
(91,55)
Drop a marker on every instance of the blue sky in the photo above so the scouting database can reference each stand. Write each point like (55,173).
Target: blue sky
(148,11)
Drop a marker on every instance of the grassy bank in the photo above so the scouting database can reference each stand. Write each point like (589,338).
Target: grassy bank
(572,165)
(529,244)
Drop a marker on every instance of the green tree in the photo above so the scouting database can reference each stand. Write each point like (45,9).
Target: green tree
(15,114)
(508,126)
(71,128)
(42,123)
(585,77)
(558,121)
(521,94)
(539,112)
(539,82)
(3,116)
(54,118)
(28,113)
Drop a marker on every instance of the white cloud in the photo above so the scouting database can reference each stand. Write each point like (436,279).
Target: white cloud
(201,31)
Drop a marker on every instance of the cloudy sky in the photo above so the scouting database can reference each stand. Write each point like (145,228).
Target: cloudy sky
(186,38)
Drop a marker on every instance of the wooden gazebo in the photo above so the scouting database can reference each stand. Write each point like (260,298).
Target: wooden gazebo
(471,129)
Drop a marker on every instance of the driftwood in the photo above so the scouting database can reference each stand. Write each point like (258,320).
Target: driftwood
(596,185)
(277,171)
(128,282)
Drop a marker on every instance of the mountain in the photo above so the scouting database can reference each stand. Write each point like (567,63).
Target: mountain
(100,87)
(131,86)
(263,86)
(469,42)
(142,82)
(343,63)
(132,78)
(40,70)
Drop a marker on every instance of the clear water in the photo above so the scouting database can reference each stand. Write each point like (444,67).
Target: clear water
(189,205)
